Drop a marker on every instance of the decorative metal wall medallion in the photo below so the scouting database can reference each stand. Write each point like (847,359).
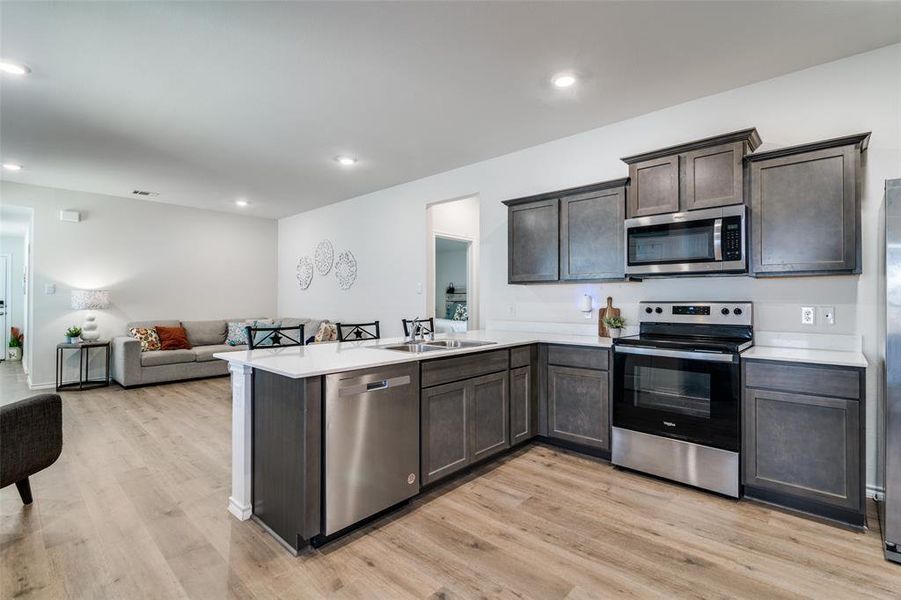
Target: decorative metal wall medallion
(324,257)
(345,269)
(304,272)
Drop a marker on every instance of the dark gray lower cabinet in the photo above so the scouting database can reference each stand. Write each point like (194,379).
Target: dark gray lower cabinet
(488,426)
(578,406)
(804,450)
(445,430)
(520,404)
(287,455)
(463,422)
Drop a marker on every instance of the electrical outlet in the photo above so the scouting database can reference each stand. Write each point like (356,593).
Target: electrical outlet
(50,289)
(419,288)
(827,315)
(808,315)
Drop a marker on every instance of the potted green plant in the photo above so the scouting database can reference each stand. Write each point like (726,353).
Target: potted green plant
(72,334)
(16,341)
(614,326)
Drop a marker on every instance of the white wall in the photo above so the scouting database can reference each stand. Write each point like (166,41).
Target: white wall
(385,228)
(14,246)
(159,261)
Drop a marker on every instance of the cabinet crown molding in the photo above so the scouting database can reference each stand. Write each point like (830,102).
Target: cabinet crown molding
(750,136)
(592,187)
(859,139)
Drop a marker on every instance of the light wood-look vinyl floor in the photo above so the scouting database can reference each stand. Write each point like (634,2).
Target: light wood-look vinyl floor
(135,508)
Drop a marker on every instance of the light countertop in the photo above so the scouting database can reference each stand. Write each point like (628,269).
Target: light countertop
(843,358)
(322,359)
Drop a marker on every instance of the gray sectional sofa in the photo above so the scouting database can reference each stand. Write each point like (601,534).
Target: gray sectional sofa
(131,367)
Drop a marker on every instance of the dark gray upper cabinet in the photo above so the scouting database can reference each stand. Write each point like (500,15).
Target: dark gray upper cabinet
(805,208)
(805,450)
(702,174)
(533,239)
(712,177)
(567,235)
(591,234)
(655,186)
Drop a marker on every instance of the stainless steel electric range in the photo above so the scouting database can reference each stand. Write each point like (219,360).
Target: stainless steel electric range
(677,392)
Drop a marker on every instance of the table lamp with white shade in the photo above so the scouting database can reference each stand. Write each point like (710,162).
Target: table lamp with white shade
(90,300)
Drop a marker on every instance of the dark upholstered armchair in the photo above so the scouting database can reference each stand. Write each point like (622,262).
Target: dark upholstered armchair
(31,439)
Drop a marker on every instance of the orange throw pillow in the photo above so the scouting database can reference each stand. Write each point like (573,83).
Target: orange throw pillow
(173,338)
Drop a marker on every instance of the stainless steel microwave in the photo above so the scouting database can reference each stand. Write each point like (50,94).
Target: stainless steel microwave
(701,241)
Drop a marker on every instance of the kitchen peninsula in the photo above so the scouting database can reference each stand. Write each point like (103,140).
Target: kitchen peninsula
(476,401)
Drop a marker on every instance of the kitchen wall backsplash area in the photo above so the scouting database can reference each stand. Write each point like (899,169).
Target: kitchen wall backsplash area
(777,303)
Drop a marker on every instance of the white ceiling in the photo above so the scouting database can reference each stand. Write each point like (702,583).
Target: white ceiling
(205,102)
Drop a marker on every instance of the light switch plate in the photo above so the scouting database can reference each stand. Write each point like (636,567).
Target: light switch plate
(808,315)
(50,289)
(827,315)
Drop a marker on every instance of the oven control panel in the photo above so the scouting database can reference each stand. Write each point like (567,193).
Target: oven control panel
(711,313)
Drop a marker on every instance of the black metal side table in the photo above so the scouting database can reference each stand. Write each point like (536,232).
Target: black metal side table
(84,355)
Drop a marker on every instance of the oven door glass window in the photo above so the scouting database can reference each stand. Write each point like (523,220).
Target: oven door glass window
(672,243)
(658,388)
(691,400)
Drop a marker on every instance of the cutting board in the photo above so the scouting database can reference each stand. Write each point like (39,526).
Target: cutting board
(607,311)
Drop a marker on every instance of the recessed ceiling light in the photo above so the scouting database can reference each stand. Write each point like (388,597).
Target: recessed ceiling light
(12,167)
(242,203)
(564,80)
(346,161)
(14,68)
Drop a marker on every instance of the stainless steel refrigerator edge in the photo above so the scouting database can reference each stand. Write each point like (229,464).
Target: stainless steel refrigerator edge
(371,443)
(890,508)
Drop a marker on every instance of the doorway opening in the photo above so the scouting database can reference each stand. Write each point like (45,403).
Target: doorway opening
(15,266)
(453,264)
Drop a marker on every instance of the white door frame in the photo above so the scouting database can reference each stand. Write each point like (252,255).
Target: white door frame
(4,320)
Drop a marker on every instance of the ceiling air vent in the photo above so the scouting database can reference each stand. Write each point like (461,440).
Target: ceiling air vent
(145,193)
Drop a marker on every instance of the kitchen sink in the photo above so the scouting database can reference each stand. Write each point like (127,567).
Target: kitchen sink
(448,344)
(416,348)
(412,348)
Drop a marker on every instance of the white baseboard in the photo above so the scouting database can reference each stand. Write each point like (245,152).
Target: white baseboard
(40,386)
(875,491)
(241,512)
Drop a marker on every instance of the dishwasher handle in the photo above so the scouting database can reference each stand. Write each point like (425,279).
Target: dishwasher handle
(374,386)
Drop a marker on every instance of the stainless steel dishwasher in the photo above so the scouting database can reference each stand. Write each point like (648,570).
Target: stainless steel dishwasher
(371,442)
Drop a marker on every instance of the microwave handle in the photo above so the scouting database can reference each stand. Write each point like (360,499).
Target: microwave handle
(718,240)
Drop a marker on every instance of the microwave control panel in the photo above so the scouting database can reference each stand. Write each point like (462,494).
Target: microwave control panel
(732,238)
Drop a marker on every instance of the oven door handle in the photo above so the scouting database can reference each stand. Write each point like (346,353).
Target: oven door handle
(718,240)
(687,355)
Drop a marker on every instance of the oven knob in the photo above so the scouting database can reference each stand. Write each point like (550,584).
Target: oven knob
(658,310)
(725,311)
(649,310)
(737,311)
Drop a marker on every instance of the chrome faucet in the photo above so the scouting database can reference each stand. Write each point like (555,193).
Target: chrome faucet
(416,329)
